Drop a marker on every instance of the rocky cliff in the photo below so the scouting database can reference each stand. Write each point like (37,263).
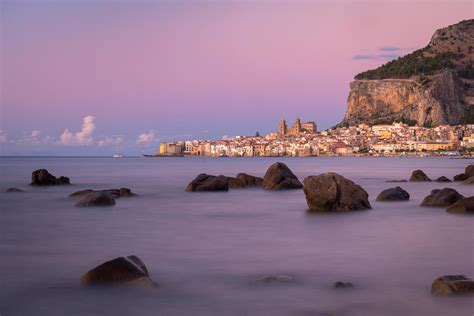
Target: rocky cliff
(431,86)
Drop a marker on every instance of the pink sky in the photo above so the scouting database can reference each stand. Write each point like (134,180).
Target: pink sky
(194,69)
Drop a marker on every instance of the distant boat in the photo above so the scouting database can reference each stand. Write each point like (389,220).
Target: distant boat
(117,156)
(117,152)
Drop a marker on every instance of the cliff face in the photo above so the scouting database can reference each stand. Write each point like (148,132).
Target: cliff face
(432,86)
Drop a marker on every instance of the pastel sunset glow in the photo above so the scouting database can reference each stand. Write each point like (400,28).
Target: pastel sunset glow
(91,74)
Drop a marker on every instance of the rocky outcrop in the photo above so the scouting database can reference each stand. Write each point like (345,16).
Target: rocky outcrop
(205,182)
(42,177)
(443,197)
(234,183)
(393,194)
(99,198)
(342,285)
(452,285)
(462,206)
(280,177)
(122,270)
(419,176)
(249,180)
(469,180)
(469,171)
(431,86)
(331,192)
(443,179)
(460,177)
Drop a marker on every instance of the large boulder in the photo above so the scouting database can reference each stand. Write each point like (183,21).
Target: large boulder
(469,180)
(235,183)
(465,205)
(393,194)
(443,179)
(469,171)
(43,177)
(331,192)
(100,198)
(419,176)
(460,177)
(249,180)
(206,182)
(122,270)
(280,177)
(443,197)
(452,284)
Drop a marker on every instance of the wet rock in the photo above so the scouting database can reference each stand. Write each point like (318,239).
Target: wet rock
(443,179)
(280,177)
(460,177)
(469,171)
(462,206)
(331,192)
(12,190)
(43,177)
(342,285)
(81,193)
(122,270)
(249,180)
(205,182)
(393,194)
(452,285)
(443,197)
(277,278)
(126,192)
(100,198)
(469,180)
(419,176)
(234,183)
(116,193)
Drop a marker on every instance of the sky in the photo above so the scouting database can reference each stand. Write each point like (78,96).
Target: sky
(81,77)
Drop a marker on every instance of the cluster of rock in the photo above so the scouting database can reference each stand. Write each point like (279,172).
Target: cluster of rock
(42,177)
(467,177)
(101,197)
(206,182)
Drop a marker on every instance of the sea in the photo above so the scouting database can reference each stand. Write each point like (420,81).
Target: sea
(209,251)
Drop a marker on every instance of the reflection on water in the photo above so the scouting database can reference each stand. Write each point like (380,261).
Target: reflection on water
(206,250)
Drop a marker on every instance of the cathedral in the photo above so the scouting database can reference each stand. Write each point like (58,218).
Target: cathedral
(298,127)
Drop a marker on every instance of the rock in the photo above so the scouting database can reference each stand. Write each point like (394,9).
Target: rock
(277,278)
(280,177)
(126,192)
(100,198)
(43,177)
(443,179)
(469,171)
(465,205)
(393,194)
(452,284)
(234,183)
(81,193)
(206,182)
(331,192)
(419,176)
(342,285)
(12,190)
(122,270)
(460,177)
(469,180)
(444,197)
(396,181)
(249,180)
(116,193)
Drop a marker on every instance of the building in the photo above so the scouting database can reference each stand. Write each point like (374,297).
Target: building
(297,128)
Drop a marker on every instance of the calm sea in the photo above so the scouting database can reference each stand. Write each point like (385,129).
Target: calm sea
(207,250)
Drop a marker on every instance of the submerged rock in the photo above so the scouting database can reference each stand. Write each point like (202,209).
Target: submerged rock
(100,198)
(393,194)
(277,278)
(443,179)
(43,177)
(280,177)
(460,177)
(116,193)
(443,197)
(206,182)
(419,176)
(463,206)
(249,180)
(396,181)
(331,192)
(342,285)
(122,270)
(12,190)
(452,284)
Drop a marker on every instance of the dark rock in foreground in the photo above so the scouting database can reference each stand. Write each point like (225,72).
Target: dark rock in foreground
(462,206)
(100,198)
(469,180)
(419,176)
(13,190)
(331,192)
(443,179)
(393,194)
(205,182)
(460,177)
(452,284)
(122,270)
(249,180)
(342,285)
(280,177)
(43,177)
(469,171)
(443,197)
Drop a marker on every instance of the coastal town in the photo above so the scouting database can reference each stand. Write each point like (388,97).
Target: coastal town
(303,140)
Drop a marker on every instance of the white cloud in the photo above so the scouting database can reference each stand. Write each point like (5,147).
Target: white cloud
(83,137)
(108,141)
(35,134)
(145,138)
